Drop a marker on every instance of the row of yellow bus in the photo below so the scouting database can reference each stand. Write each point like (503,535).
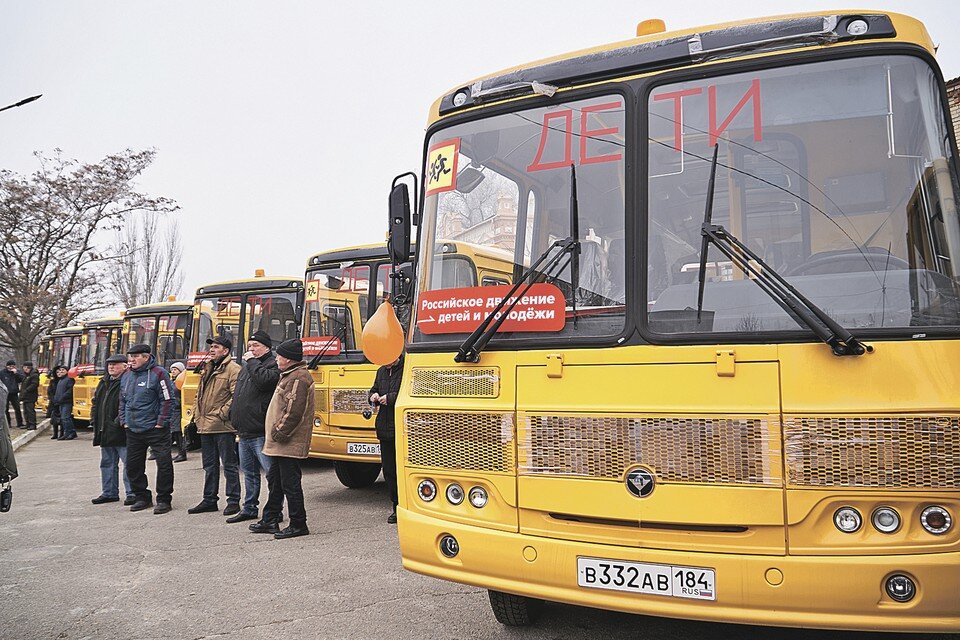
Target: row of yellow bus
(682,335)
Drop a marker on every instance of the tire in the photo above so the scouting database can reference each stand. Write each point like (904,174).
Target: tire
(514,611)
(356,475)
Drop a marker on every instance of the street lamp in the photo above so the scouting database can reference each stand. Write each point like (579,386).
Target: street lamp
(22,102)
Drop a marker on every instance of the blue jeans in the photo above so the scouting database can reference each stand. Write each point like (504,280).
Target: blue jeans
(109,472)
(252,462)
(219,449)
(66,420)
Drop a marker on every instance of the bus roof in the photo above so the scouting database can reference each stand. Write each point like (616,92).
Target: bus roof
(113,321)
(153,308)
(357,252)
(66,331)
(257,283)
(683,48)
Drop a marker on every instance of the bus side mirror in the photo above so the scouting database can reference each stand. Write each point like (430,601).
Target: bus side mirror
(398,242)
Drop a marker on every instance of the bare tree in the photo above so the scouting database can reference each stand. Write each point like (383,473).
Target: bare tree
(50,222)
(149,267)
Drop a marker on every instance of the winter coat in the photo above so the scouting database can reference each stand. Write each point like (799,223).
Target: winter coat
(387,383)
(64,393)
(105,412)
(146,397)
(8,465)
(176,413)
(256,383)
(11,380)
(30,389)
(290,414)
(215,395)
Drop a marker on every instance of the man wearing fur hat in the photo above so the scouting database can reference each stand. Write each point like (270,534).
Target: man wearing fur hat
(289,424)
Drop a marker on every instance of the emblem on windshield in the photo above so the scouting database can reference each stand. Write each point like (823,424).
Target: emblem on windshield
(640,482)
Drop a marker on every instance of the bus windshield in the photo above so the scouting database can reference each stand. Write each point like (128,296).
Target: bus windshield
(173,338)
(100,344)
(835,173)
(236,316)
(66,350)
(337,308)
(504,182)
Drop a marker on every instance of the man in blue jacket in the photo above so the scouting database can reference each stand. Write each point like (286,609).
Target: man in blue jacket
(146,406)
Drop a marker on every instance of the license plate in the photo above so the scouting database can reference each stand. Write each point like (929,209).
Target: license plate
(363,448)
(649,579)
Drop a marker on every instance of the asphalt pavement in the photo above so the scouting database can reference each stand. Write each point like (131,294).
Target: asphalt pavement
(71,569)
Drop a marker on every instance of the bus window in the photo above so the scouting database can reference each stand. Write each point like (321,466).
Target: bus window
(342,297)
(173,338)
(61,351)
(273,313)
(142,331)
(98,348)
(219,317)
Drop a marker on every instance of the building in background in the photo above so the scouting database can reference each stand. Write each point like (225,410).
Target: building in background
(953,97)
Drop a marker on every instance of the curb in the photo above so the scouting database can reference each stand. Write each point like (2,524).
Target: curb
(30,436)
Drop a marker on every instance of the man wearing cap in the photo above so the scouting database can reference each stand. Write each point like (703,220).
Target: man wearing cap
(217,436)
(255,385)
(109,435)
(11,378)
(29,393)
(146,405)
(289,425)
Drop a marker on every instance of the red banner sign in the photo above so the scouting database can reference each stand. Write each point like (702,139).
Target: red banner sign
(196,357)
(328,345)
(85,368)
(541,308)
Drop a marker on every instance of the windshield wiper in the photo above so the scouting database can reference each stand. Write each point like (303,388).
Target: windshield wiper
(470,350)
(841,341)
(341,335)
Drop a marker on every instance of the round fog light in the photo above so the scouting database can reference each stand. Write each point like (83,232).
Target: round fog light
(455,494)
(449,546)
(885,520)
(900,588)
(478,497)
(427,490)
(317,422)
(936,520)
(857,27)
(847,519)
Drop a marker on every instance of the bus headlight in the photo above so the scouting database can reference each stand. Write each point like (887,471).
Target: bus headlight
(847,519)
(936,520)
(885,520)
(427,490)
(478,497)
(454,493)
(317,422)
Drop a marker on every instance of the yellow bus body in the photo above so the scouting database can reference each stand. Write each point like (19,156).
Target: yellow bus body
(341,432)
(92,364)
(557,497)
(45,368)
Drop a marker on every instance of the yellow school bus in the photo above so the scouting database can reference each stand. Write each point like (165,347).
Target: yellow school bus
(99,340)
(344,287)
(65,349)
(724,384)
(45,366)
(235,310)
(163,326)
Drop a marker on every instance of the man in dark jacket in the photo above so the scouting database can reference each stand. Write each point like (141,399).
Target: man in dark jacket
(383,396)
(29,393)
(146,404)
(11,379)
(108,434)
(256,383)
(52,411)
(63,400)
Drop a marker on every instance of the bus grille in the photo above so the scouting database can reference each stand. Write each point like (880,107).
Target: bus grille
(455,383)
(716,450)
(477,441)
(350,400)
(873,451)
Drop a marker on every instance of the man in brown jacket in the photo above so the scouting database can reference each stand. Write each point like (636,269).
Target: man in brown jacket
(217,436)
(288,427)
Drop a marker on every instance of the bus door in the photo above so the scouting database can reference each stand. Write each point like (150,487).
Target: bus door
(343,314)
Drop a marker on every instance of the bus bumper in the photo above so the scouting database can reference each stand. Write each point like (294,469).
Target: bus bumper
(827,592)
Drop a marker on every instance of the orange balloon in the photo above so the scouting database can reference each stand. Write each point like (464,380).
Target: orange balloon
(383,336)
(180,380)
(73,372)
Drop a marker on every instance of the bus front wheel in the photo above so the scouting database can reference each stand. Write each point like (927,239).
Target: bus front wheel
(356,475)
(514,611)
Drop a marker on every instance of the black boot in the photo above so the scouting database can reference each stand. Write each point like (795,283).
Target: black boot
(181,447)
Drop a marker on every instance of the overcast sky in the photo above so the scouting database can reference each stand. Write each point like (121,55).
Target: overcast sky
(280,124)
